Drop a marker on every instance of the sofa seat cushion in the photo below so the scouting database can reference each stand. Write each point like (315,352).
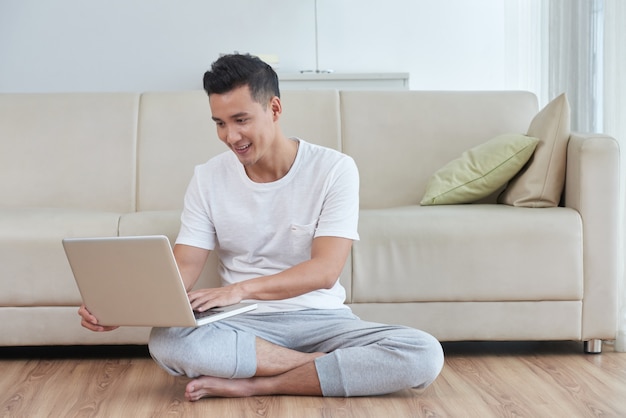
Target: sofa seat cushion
(468,253)
(33,266)
(59,325)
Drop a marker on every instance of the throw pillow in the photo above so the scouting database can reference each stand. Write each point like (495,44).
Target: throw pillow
(540,183)
(479,171)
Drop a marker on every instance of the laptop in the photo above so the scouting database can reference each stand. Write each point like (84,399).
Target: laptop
(134,281)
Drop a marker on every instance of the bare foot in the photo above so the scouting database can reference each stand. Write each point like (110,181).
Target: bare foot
(269,380)
(207,386)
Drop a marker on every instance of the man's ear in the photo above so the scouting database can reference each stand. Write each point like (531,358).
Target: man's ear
(276,107)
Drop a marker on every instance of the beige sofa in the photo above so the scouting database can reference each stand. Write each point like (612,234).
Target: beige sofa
(118,164)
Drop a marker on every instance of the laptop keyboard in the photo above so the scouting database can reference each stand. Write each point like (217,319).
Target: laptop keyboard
(204,314)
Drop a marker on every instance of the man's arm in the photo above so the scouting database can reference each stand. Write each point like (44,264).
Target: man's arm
(321,271)
(328,256)
(190,261)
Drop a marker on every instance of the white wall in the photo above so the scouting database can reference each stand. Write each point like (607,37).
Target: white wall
(142,45)
(442,44)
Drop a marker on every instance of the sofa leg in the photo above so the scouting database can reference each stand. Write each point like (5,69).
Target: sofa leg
(593,346)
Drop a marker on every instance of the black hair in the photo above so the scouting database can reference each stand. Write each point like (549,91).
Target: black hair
(236,70)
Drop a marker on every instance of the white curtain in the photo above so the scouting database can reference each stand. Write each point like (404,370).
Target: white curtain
(574,58)
(613,109)
(584,54)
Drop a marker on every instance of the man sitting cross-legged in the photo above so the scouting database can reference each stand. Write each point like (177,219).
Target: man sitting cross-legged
(282,214)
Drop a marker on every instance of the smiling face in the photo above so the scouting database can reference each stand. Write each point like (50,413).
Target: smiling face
(246,126)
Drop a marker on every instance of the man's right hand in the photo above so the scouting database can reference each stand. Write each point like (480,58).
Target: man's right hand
(91,322)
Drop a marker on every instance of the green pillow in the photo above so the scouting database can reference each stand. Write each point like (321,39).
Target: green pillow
(479,171)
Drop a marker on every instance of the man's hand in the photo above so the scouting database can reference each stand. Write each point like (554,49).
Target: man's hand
(91,322)
(204,299)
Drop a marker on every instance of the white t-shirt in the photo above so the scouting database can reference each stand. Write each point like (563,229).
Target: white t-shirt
(260,229)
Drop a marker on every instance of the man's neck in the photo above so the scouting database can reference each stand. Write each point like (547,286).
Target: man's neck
(278,167)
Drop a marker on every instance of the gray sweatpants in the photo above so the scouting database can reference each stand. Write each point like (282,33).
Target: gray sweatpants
(364,358)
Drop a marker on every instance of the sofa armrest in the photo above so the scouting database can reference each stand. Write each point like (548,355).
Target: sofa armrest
(592,187)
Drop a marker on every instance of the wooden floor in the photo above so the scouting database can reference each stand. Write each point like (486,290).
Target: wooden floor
(553,379)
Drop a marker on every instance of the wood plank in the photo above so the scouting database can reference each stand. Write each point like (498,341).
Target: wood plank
(478,380)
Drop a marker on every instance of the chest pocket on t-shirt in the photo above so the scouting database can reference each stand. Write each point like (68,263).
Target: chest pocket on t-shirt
(301,237)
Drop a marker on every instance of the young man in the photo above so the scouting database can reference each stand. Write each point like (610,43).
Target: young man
(282,214)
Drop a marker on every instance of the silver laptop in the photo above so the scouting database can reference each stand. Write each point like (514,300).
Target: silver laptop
(135,281)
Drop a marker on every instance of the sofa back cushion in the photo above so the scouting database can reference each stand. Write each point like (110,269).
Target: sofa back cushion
(176,133)
(400,138)
(312,115)
(68,150)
